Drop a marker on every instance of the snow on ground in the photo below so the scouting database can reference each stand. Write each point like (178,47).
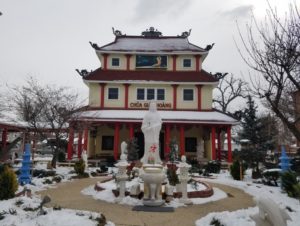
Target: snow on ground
(18,212)
(108,196)
(242,217)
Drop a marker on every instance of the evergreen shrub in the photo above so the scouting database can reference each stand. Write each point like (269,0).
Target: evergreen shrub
(61,157)
(8,182)
(235,170)
(213,167)
(79,167)
(289,183)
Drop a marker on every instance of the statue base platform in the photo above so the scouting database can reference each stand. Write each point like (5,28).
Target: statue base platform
(149,202)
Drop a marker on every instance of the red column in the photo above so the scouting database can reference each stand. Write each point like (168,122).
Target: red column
(182,140)
(70,143)
(79,148)
(126,95)
(128,62)
(229,144)
(219,144)
(116,140)
(174,62)
(4,138)
(199,97)
(167,141)
(213,143)
(102,89)
(105,56)
(85,141)
(175,96)
(131,131)
(197,59)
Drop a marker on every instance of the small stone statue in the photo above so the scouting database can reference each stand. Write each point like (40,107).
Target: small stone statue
(85,159)
(123,151)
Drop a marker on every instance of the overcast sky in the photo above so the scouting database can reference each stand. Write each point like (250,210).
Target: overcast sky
(49,39)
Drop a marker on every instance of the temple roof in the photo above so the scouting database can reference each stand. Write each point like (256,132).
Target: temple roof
(199,117)
(119,76)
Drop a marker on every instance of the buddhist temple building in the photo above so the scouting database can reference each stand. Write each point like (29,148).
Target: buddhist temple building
(136,69)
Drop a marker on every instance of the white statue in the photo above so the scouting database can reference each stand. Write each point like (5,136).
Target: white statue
(123,151)
(151,128)
(84,158)
(270,214)
(200,150)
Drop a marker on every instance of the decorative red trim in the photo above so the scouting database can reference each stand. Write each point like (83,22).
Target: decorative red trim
(213,143)
(229,144)
(128,62)
(182,140)
(175,97)
(199,97)
(131,131)
(197,59)
(102,95)
(174,62)
(85,141)
(79,148)
(167,141)
(219,144)
(116,141)
(4,138)
(70,143)
(105,56)
(126,95)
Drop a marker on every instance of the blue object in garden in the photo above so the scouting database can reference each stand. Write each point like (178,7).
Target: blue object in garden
(284,160)
(25,177)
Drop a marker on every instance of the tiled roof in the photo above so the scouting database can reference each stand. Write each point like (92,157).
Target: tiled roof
(150,44)
(145,75)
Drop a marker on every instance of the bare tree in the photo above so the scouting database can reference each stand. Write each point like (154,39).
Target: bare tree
(46,109)
(228,90)
(273,51)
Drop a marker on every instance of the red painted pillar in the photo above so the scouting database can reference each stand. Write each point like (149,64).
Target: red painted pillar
(116,140)
(79,148)
(174,62)
(126,95)
(219,145)
(70,143)
(213,143)
(167,141)
(131,131)
(4,138)
(199,97)
(128,62)
(197,59)
(175,96)
(102,91)
(85,139)
(229,144)
(182,140)
(105,56)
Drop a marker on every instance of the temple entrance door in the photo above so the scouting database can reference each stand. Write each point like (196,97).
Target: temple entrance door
(140,142)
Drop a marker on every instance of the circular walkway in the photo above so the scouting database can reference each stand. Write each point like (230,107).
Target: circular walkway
(68,195)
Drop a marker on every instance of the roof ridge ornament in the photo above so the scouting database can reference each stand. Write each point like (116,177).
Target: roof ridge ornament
(83,73)
(185,34)
(117,33)
(94,45)
(152,32)
(209,47)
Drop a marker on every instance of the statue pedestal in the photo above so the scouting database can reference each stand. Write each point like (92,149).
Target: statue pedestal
(153,176)
(121,178)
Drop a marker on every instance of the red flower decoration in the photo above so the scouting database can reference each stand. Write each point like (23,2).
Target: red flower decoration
(153,148)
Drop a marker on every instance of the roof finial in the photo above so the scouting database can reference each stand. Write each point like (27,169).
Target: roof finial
(116,32)
(152,32)
(186,34)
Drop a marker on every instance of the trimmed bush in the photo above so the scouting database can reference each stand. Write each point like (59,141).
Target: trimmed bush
(8,182)
(288,182)
(235,170)
(213,167)
(79,167)
(271,177)
(61,157)
(172,175)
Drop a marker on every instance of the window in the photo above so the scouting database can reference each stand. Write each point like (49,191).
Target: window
(191,144)
(188,94)
(140,94)
(115,62)
(150,94)
(107,142)
(160,94)
(113,93)
(187,62)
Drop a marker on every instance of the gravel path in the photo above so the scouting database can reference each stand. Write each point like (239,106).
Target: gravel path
(68,195)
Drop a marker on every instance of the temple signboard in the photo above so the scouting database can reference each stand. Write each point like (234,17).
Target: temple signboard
(160,105)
